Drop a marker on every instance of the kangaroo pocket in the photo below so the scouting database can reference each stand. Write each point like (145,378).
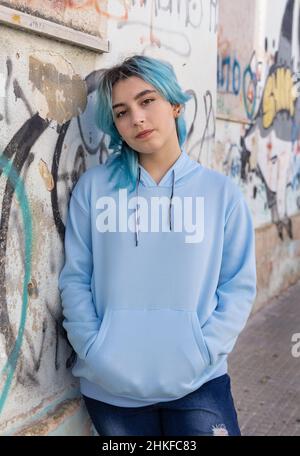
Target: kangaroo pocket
(153,354)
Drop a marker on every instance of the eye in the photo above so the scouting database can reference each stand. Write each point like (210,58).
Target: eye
(148,100)
(120,114)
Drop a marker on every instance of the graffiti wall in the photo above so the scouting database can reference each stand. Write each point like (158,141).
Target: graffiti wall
(258,126)
(234,74)
(84,15)
(48,139)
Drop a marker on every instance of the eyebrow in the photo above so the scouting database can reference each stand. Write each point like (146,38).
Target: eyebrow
(137,96)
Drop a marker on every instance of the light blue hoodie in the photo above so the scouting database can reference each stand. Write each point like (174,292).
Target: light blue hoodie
(153,308)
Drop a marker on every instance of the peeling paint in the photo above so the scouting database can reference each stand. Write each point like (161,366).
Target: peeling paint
(59,94)
(46,175)
(32,289)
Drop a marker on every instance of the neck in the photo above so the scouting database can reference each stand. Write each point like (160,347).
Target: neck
(158,163)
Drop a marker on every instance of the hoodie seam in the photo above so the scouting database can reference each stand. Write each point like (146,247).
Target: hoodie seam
(232,210)
(79,205)
(182,184)
(178,183)
(174,168)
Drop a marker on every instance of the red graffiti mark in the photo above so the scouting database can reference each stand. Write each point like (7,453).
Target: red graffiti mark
(84,4)
(269,150)
(79,4)
(224,47)
(62,5)
(250,93)
(152,38)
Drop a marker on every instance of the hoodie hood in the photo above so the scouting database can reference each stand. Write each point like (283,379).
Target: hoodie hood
(183,166)
(174,176)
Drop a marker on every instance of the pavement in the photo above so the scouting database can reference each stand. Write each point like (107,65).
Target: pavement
(265,374)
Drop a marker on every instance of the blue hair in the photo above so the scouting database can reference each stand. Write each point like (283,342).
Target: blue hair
(160,74)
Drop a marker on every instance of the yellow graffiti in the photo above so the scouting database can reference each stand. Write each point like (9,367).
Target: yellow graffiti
(16,18)
(46,175)
(279,95)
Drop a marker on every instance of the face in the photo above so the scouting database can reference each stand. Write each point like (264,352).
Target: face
(137,107)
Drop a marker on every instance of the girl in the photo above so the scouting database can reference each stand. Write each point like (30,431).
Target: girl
(159,277)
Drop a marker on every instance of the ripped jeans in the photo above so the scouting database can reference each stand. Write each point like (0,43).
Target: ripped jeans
(207,411)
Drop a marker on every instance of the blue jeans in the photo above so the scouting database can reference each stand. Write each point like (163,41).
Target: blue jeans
(209,410)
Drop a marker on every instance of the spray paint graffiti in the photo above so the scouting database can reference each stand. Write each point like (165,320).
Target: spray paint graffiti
(85,16)
(213,16)
(191,10)
(209,130)
(19,157)
(276,127)
(190,13)
(279,95)
(14,346)
(232,79)
(252,85)
(260,98)
(237,65)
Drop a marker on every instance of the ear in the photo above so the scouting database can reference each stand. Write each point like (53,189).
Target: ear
(177,110)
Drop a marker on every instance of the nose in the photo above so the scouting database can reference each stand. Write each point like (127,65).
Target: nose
(139,122)
(138,117)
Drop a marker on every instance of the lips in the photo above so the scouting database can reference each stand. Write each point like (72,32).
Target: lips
(144,134)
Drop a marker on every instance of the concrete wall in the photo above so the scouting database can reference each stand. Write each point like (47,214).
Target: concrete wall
(258,128)
(46,145)
(84,15)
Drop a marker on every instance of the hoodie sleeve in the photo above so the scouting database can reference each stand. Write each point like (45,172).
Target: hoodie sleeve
(80,319)
(236,288)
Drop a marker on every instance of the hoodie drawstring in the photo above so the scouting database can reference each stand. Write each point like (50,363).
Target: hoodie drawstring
(136,207)
(170,213)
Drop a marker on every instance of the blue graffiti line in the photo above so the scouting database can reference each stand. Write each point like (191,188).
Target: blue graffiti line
(235,168)
(295,133)
(222,62)
(232,77)
(11,363)
(249,72)
(236,76)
